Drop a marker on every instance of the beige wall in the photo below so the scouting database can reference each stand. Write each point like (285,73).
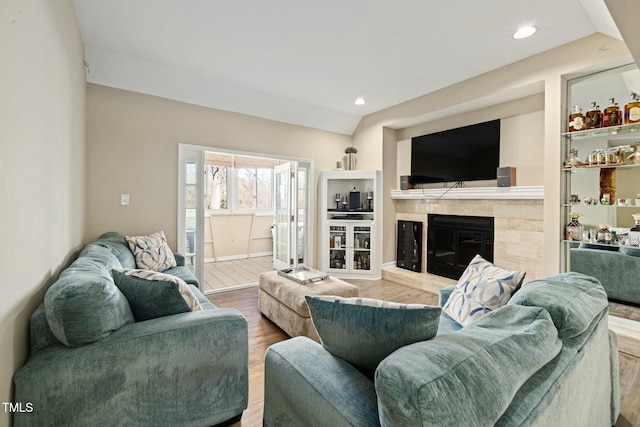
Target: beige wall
(42,148)
(544,73)
(132,147)
(521,135)
(237,235)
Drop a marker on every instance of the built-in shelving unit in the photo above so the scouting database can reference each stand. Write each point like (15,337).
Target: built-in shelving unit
(585,183)
(350,223)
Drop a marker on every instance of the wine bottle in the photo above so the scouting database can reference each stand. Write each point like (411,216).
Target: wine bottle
(632,109)
(576,120)
(594,117)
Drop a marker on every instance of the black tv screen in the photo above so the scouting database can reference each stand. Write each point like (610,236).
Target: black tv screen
(469,153)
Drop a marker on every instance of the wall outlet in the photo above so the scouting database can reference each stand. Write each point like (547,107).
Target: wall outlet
(124,199)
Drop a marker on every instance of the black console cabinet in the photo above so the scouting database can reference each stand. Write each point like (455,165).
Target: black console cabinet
(409,246)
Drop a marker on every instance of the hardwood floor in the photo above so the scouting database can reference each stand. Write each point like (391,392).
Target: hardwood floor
(263,333)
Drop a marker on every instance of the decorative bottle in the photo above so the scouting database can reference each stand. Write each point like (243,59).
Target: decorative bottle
(611,115)
(574,228)
(576,120)
(632,109)
(604,234)
(593,119)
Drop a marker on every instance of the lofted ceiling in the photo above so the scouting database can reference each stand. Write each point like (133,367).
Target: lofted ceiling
(305,62)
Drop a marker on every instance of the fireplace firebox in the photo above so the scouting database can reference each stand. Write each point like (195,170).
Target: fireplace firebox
(453,241)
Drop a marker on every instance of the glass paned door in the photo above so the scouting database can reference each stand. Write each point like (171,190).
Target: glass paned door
(285,252)
(338,247)
(361,248)
(191,209)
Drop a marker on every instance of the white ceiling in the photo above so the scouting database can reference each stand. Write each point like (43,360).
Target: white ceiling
(305,62)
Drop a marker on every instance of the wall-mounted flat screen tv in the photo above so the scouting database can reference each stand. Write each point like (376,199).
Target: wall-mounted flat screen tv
(469,153)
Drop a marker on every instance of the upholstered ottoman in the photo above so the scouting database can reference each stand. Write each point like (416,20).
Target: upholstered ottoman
(282,301)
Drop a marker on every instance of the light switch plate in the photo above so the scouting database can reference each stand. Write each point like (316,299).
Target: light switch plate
(124,199)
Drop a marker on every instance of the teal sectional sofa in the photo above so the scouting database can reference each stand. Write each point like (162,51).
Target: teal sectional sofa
(546,358)
(618,270)
(92,364)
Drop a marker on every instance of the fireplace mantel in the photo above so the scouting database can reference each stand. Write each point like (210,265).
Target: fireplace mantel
(471,193)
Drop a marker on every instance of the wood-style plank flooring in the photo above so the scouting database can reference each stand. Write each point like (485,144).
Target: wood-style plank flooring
(263,333)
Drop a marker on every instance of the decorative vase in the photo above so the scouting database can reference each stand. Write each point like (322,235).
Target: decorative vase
(350,163)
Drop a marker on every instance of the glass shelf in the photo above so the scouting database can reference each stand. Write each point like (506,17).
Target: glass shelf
(598,132)
(599,205)
(613,166)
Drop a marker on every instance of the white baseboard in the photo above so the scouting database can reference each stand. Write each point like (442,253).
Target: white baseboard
(237,257)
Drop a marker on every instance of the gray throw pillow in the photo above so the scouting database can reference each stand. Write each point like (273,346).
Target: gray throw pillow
(364,331)
(152,294)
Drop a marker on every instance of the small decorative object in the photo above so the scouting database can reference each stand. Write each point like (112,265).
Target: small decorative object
(636,218)
(594,117)
(637,199)
(574,228)
(588,200)
(574,198)
(337,200)
(604,234)
(370,200)
(351,157)
(606,198)
(608,185)
(338,166)
(573,161)
(635,157)
(623,202)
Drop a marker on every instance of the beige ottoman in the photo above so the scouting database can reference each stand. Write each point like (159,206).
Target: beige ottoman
(282,301)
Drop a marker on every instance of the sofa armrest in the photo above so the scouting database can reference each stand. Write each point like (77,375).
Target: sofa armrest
(307,385)
(180,259)
(445,293)
(188,366)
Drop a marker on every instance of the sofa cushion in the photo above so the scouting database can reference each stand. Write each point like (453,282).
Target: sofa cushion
(574,300)
(483,287)
(84,305)
(118,246)
(152,294)
(364,331)
(184,273)
(152,252)
(466,378)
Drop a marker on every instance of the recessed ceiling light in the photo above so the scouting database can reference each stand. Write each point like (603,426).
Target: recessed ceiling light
(524,32)
(360,101)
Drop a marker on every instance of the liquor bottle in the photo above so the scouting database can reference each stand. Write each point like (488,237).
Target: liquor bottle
(576,120)
(632,109)
(594,117)
(611,115)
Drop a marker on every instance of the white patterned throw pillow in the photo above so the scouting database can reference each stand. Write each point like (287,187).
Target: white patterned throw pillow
(152,252)
(482,288)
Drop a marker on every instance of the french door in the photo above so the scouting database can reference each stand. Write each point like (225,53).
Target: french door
(191,207)
(292,196)
(291,216)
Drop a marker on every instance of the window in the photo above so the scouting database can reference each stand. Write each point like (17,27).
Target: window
(254,189)
(234,182)
(216,186)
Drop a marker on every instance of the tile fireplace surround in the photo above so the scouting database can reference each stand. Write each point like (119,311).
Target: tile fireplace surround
(518,213)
